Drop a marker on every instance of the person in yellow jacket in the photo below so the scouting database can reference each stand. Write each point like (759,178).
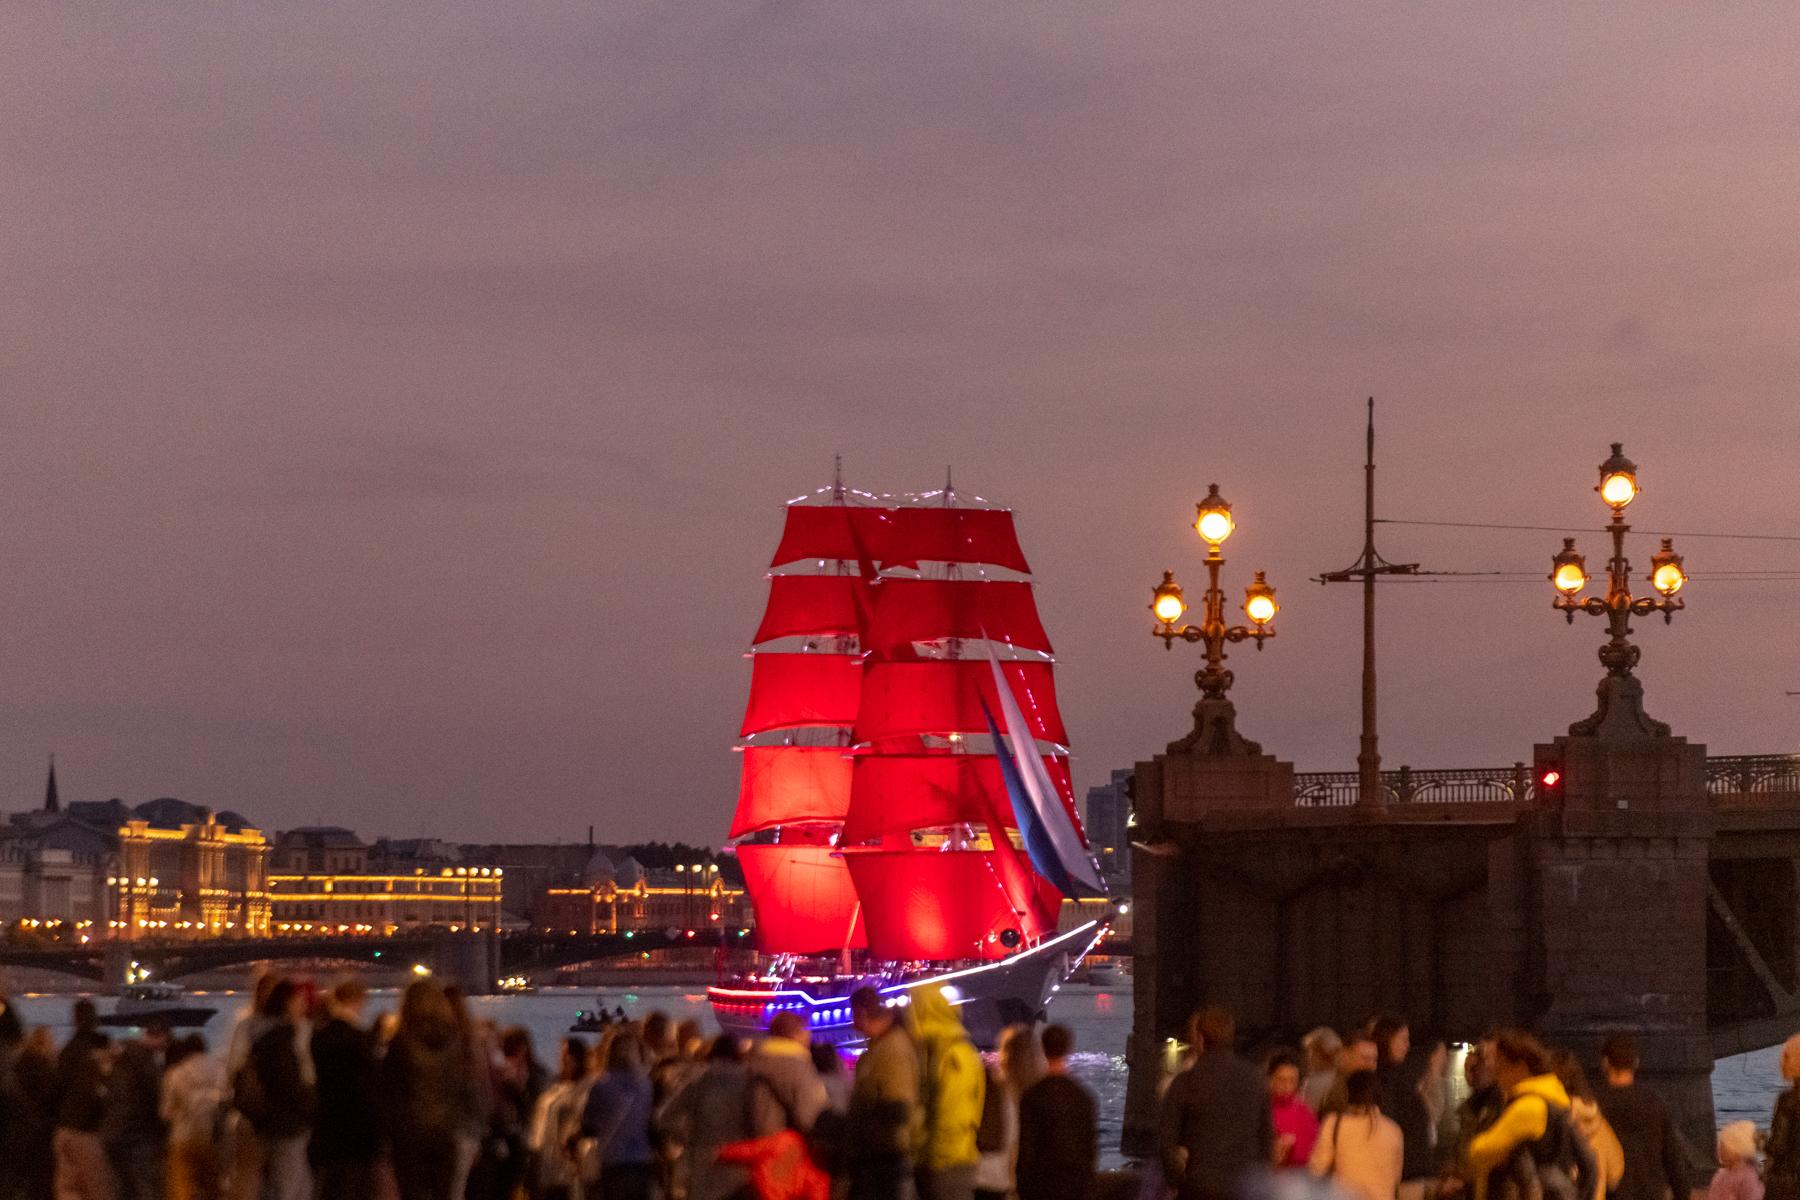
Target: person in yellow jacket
(1533,1132)
(952,1089)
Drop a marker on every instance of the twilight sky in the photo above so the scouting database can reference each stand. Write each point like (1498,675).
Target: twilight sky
(399,399)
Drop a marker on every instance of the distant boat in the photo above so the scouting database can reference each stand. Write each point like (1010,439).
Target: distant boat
(598,1018)
(1106,974)
(138,1002)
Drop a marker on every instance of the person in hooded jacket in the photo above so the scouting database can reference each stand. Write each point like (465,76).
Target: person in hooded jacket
(1533,1143)
(952,1087)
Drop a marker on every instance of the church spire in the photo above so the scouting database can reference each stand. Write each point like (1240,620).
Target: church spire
(51,802)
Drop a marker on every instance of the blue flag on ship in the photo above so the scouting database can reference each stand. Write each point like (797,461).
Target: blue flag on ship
(1038,845)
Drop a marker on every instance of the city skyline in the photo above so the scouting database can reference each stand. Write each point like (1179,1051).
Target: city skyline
(401,408)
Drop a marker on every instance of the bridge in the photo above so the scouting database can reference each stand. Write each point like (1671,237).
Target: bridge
(473,960)
(1619,879)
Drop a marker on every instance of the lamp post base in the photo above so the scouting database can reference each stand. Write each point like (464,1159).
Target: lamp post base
(1215,732)
(1620,713)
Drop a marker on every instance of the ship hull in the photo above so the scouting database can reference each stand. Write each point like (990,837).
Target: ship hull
(988,996)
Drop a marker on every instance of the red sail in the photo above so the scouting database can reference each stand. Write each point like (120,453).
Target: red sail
(927,904)
(945,696)
(804,898)
(801,689)
(919,610)
(900,535)
(811,606)
(901,792)
(791,784)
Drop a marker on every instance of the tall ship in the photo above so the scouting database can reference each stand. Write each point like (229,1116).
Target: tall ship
(905,815)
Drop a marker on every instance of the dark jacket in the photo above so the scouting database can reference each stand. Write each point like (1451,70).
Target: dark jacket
(1654,1157)
(288,1099)
(134,1098)
(1215,1126)
(1058,1140)
(348,1125)
(1401,1103)
(81,1084)
(618,1117)
(428,1089)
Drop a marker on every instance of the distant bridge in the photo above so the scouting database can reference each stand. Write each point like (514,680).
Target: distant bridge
(473,960)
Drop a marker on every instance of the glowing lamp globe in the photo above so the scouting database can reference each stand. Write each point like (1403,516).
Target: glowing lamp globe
(1568,571)
(1618,478)
(1166,601)
(1212,517)
(1666,574)
(1259,601)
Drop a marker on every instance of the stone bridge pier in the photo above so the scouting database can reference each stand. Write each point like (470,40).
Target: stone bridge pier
(468,960)
(1574,904)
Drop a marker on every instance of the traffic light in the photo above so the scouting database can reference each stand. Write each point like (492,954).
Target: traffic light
(1549,781)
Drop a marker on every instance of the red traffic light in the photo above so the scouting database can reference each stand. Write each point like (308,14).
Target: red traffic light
(1550,778)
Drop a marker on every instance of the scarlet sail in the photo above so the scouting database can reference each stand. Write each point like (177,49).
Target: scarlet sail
(894,536)
(801,689)
(805,900)
(946,696)
(791,785)
(899,792)
(927,904)
(812,606)
(922,610)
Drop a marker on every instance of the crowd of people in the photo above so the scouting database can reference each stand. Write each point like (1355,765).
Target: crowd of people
(308,1098)
(1376,1114)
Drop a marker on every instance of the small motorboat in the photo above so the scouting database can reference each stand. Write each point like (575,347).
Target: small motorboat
(517,985)
(597,1019)
(138,1002)
(1106,974)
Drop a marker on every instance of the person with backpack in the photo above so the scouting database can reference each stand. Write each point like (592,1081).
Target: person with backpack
(952,1086)
(1533,1146)
(1359,1149)
(785,1089)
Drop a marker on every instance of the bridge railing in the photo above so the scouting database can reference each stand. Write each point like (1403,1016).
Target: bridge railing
(1733,776)
(1472,785)
(1744,778)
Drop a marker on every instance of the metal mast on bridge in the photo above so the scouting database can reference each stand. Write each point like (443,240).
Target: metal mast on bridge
(1370,564)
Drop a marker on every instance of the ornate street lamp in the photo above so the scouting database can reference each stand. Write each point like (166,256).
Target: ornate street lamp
(1621,695)
(1214,523)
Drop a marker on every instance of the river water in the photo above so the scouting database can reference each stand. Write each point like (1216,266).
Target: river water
(1744,1087)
